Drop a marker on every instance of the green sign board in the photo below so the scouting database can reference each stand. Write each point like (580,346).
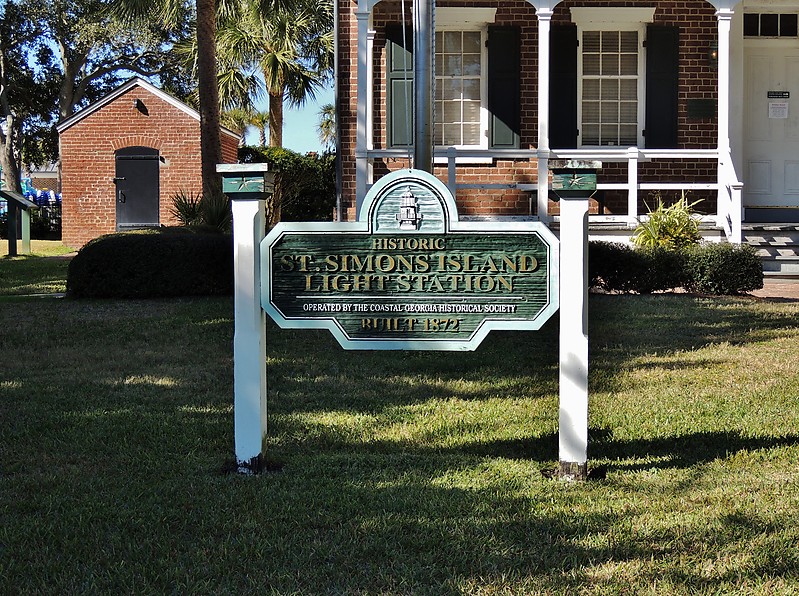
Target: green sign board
(410,275)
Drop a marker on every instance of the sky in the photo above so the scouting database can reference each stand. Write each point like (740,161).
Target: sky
(300,124)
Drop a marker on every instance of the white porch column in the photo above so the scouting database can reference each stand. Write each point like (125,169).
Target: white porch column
(364,112)
(573,410)
(370,91)
(729,187)
(724,17)
(249,339)
(544,18)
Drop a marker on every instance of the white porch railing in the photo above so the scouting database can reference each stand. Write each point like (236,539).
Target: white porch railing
(730,206)
(726,186)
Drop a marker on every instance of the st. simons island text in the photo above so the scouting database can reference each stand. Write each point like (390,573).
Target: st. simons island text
(424,265)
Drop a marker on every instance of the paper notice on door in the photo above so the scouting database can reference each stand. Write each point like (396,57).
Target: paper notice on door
(778,109)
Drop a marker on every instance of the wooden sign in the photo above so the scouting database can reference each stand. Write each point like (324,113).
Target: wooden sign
(409,275)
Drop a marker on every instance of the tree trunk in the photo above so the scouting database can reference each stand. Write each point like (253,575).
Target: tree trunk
(210,140)
(276,119)
(8,161)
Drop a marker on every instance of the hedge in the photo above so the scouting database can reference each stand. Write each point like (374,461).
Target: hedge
(724,269)
(190,261)
(305,185)
(153,263)
(712,268)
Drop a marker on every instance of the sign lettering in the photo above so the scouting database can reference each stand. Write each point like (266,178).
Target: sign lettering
(434,283)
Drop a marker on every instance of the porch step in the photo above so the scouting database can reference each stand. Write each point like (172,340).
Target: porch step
(777,245)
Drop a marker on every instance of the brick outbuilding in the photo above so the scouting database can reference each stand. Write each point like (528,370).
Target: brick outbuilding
(125,157)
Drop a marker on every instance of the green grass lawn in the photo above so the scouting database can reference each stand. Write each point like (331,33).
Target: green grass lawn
(44,271)
(411,473)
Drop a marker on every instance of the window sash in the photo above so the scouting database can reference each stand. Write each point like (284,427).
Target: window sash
(460,88)
(610,78)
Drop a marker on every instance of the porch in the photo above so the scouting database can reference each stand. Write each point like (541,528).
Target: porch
(724,187)
(631,164)
(777,243)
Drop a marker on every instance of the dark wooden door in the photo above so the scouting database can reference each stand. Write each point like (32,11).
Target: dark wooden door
(137,187)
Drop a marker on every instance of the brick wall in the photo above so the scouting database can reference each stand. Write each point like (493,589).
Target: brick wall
(88,162)
(230,148)
(697,22)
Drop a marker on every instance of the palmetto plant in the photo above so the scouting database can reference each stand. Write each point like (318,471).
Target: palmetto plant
(673,226)
(260,120)
(186,207)
(195,209)
(238,120)
(216,212)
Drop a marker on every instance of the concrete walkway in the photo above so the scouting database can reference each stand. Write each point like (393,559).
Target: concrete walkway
(783,289)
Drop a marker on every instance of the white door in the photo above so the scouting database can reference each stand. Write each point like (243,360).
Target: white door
(771,125)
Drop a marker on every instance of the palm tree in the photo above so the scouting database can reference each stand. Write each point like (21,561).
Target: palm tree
(327,125)
(260,120)
(239,120)
(289,43)
(208,88)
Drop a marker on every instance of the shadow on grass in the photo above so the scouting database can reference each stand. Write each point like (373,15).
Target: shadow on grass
(622,329)
(682,451)
(661,453)
(111,440)
(676,452)
(633,325)
(415,534)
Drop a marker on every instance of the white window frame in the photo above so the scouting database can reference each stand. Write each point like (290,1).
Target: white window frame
(613,19)
(470,19)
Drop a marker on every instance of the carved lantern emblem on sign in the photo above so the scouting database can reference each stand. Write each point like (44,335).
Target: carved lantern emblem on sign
(408,217)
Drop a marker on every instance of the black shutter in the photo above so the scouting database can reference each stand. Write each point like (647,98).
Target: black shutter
(563,87)
(399,86)
(662,78)
(504,72)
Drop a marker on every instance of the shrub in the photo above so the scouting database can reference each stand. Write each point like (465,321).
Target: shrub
(660,269)
(195,209)
(45,224)
(611,266)
(305,185)
(721,269)
(674,226)
(186,207)
(616,267)
(153,263)
(724,269)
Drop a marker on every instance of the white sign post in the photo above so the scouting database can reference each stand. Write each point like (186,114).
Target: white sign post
(249,340)
(247,185)
(574,182)
(573,382)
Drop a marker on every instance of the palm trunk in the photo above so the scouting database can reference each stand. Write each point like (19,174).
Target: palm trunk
(210,140)
(276,119)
